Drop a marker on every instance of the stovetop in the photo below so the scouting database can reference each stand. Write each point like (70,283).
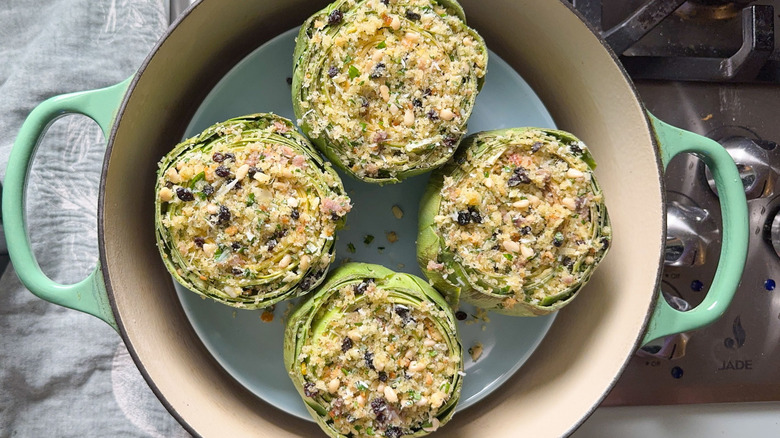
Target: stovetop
(711,67)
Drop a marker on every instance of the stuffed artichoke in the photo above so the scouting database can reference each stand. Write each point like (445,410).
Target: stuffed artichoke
(385,88)
(375,353)
(246,212)
(516,223)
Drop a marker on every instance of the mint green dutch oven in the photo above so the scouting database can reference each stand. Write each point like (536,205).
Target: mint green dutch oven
(580,84)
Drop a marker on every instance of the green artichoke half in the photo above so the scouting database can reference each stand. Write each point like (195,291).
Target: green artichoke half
(375,353)
(246,212)
(385,89)
(516,223)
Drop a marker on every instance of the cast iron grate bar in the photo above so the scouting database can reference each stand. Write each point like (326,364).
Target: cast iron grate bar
(637,25)
(756,60)
(758,42)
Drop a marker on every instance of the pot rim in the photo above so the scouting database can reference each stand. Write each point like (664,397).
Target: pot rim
(101,221)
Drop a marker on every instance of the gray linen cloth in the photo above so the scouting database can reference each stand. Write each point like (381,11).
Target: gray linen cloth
(64,373)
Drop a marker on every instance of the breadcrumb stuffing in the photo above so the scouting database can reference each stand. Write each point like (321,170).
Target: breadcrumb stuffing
(250,219)
(379,366)
(394,86)
(518,217)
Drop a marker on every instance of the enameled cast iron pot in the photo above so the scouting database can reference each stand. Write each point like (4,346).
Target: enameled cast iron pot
(582,86)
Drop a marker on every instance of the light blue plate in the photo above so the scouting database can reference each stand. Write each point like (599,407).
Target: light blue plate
(251,350)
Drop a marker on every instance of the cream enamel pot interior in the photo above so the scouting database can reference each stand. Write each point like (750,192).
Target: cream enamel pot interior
(581,85)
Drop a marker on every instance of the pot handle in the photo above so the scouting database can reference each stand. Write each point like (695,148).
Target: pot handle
(665,319)
(88,295)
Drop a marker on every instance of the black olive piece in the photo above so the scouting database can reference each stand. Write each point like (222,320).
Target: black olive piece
(337,407)
(558,239)
(237,271)
(332,72)
(378,405)
(369,358)
(236,246)
(230,156)
(346,344)
(295,214)
(278,234)
(237,185)
(335,217)
(417,102)
(604,242)
(363,285)
(309,389)
(575,149)
(461,315)
(450,141)
(464,217)
(394,432)
(272,244)
(378,71)
(385,2)
(567,261)
(222,171)
(252,171)
(199,241)
(223,217)
(168,184)
(289,80)
(525,230)
(433,115)
(307,282)
(218,157)
(414,16)
(427,92)
(519,176)
(208,190)
(185,194)
(335,17)
(382,376)
(403,312)
(536,146)
(362,110)
(475,216)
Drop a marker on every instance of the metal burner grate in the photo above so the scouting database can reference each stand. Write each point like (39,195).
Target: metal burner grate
(713,41)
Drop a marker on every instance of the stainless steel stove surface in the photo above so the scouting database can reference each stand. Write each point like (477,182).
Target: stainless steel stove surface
(711,67)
